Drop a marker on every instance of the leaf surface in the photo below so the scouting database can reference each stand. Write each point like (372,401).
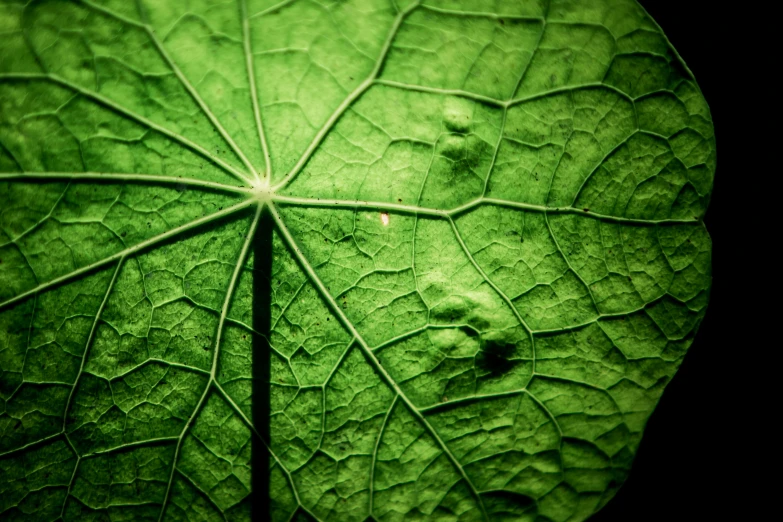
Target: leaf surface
(367,260)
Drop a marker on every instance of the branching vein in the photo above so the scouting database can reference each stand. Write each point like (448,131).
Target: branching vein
(371,357)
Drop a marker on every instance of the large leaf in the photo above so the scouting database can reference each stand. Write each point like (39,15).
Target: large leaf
(366,258)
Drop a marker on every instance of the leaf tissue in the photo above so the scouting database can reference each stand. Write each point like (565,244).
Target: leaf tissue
(340,260)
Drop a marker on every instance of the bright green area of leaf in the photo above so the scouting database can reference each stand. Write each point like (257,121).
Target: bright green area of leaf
(488,255)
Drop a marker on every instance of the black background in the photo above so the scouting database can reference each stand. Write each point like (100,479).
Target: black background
(692,464)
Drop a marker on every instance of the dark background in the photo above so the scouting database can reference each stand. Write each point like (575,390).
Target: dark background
(693,462)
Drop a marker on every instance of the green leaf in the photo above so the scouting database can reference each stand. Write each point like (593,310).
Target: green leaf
(367,260)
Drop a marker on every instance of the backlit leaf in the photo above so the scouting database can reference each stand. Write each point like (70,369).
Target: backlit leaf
(340,261)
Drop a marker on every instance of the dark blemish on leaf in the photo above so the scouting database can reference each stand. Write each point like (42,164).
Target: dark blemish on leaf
(501,21)
(460,170)
(495,356)
(586,209)
(467,330)
(124,234)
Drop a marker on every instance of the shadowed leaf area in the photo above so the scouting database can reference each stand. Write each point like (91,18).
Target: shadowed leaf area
(340,261)
(495,357)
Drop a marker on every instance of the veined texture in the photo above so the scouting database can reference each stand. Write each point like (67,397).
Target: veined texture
(340,260)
